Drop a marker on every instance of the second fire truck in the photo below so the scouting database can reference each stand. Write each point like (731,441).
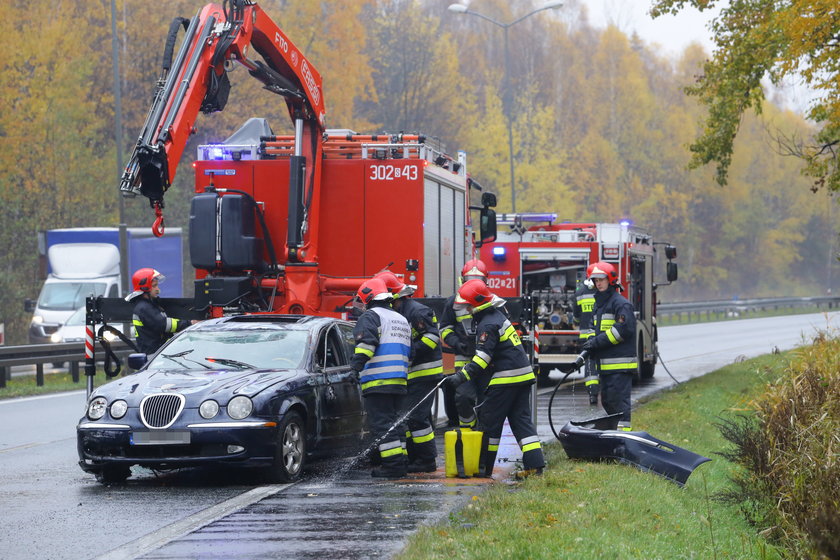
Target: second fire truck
(544,262)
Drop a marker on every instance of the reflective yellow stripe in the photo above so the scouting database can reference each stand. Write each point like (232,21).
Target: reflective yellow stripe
(625,365)
(492,447)
(446,332)
(481,363)
(591,382)
(423,439)
(510,380)
(612,337)
(425,372)
(365,351)
(137,323)
(531,446)
(391,452)
(380,382)
(460,363)
(428,342)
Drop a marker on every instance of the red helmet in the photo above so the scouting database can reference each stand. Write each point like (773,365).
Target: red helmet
(474,269)
(474,293)
(602,270)
(396,286)
(373,290)
(142,281)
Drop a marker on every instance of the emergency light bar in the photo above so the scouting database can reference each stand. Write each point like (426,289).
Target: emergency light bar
(510,219)
(228,152)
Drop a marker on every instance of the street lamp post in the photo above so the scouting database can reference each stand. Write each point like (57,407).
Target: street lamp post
(507,94)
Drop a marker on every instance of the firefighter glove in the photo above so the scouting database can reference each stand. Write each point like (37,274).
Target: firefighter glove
(463,348)
(590,344)
(356,375)
(456,379)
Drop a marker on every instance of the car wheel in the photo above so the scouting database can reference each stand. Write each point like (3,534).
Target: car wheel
(291,449)
(113,474)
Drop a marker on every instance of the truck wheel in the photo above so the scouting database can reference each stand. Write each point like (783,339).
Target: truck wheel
(542,376)
(646,369)
(290,454)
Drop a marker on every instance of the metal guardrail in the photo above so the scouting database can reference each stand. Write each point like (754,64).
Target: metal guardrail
(738,307)
(40,354)
(74,352)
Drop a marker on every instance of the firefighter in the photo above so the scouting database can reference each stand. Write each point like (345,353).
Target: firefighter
(614,343)
(500,358)
(456,329)
(383,342)
(425,370)
(584,302)
(150,324)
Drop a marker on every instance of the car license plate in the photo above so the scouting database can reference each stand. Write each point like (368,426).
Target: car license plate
(160,438)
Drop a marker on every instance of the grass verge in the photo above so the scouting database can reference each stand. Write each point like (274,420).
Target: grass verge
(606,510)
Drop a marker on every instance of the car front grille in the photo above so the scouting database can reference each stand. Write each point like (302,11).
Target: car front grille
(161,410)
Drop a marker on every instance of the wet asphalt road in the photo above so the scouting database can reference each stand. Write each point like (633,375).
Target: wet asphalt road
(51,509)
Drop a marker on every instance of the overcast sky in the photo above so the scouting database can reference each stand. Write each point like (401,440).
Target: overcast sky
(674,33)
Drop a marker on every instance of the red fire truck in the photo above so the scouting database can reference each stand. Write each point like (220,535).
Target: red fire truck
(294,223)
(543,262)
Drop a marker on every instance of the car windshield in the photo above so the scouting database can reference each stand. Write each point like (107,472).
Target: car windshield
(66,296)
(252,348)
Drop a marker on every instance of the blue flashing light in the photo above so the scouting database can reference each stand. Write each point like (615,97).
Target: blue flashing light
(625,223)
(217,153)
(499,253)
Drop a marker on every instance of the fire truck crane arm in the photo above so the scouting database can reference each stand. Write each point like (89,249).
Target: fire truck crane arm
(197,81)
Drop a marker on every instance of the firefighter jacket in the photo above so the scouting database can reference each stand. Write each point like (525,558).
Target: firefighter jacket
(151,325)
(426,359)
(498,351)
(584,303)
(455,324)
(383,341)
(614,344)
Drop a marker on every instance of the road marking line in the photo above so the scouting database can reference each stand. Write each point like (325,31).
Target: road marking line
(161,537)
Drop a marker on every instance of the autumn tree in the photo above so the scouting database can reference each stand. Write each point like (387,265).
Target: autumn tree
(777,40)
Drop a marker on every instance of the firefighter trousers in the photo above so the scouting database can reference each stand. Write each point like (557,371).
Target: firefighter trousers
(615,394)
(383,411)
(514,403)
(420,431)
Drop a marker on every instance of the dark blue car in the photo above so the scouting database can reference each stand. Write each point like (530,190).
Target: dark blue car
(267,391)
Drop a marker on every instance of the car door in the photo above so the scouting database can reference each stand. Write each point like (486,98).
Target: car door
(340,400)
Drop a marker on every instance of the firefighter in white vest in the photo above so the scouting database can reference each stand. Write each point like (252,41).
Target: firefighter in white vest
(383,342)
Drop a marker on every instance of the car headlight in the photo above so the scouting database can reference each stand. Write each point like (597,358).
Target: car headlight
(240,407)
(55,337)
(109,336)
(96,408)
(118,409)
(37,319)
(209,409)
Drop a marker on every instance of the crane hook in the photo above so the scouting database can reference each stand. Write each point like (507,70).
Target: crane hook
(158,228)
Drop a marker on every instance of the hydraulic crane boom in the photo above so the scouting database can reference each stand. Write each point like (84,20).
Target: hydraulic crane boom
(216,38)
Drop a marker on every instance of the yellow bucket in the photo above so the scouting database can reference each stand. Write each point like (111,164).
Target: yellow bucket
(470,451)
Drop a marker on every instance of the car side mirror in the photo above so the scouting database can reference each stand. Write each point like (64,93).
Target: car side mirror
(137,361)
(671,272)
(488,200)
(29,305)
(670,252)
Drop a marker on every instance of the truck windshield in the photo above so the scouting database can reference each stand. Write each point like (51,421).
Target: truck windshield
(67,296)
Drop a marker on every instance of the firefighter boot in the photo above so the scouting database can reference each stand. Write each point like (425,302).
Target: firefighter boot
(525,473)
(593,387)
